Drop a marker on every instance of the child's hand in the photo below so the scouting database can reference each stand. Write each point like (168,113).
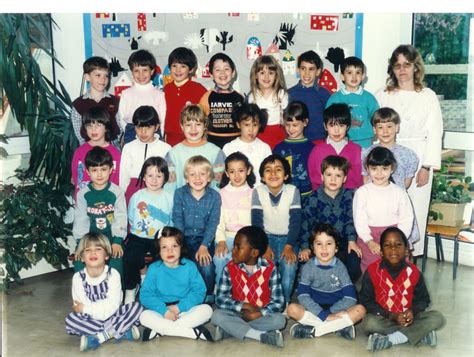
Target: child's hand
(269,254)
(405,318)
(304,255)
(249,307)
(77,306)
(335,316)
(352,246)
(174,308)
(289,254)
(221,249)
(250,315)
(202,256)
(170,315)
(117,250)
(422,177)
(374,247)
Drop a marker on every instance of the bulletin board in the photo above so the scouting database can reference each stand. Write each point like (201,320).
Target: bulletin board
(242,36)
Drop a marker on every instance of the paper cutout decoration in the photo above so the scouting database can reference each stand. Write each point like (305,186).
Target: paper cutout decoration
(273,51)
(114,16)
(134,43)
(155,37)
(158,78)
(336,57)
(224,39)
(328,81)
(285,36)
(288,63)
(205,73)
(324,22)
(233,14)
(209,38)
(347,15)
(166,76)
(254,48)
(253,16)
(115,67)
(115,30)
(102,15)
(123,83)
(141,21)
(298,16)
(190,16)
(193,41)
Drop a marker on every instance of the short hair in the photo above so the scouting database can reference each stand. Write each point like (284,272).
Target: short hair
(224,58)
(394,230)
(270,159)
(385,115)
(142,58)
(337,113)
(256,237)
(324,228)
(98,156)
(145,116)
(336,161)
(352,61)
(250,111)
(97,114)
(161,165)
(380,156)
(183,55)
(95,62)
(167,232)
(91,238)
(413,56)
(296,110)
(193,112)
(310,57)
(238,156)
(198,161)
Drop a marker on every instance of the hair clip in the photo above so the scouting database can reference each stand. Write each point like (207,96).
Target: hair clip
(160,233)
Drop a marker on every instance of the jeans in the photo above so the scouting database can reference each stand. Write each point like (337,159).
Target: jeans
(287,271)
(221,262)
(129,133)
(134,259)
(207,271)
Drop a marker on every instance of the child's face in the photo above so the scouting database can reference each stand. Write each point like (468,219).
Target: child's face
(142,74)
(170,251)
(336,132)
(154,179)
(295,128)
(266,79)
(333,179)
(379,175)
(393,249)
(324,248)
(180,72)
(352,78)
(146,134)
(100,176)
(198,178)
(94,256)
(237,173)
(222,74)
(95,132)
(242,252)
(274,176)
(193,130)
(308,73)
(248,130)
(98,79)
(386,133)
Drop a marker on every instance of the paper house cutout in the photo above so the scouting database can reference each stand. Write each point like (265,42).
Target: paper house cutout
(166,76)
(141,21)
(288,63)
(328,81)
(123,83)
(324,22)
(274,51)
(205,72)
(102,15)
(115,30)
(254,48)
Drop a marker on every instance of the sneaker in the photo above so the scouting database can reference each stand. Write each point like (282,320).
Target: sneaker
(88,342)
(149,334)
(202,333)
(347,332)
(302,331)
(273,338)
(220,334)
(132,334)
(430,339)
(378,342)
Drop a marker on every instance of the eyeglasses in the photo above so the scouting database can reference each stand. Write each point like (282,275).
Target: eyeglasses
(94,125)
(405,65)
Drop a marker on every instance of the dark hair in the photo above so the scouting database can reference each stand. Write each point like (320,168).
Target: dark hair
(256,237)
(238,156)
(167,232)
(296,110)
(324,228)
(338,113)
(224,58)
(98,156)
(95,62)
(250,111)
(100,115)
(380,156)
(270,159)
(142,58)
(145,115)
(352,61)
(395,230)
(336,161)
(310,57)
(157,161)
(385,115)
(183,55)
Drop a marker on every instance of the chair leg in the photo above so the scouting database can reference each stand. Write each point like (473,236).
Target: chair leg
(438,251)
(425,253)
(456,256)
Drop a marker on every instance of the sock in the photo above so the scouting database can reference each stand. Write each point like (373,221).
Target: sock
(310,320)
(254,334)
(397,338)
(103,336)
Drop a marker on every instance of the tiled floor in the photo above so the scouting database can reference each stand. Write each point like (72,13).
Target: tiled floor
(34,325)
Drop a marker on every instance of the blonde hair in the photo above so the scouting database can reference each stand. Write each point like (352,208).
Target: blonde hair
(271,63)
(193,112)
(97,239)
(413,56)
(198,161)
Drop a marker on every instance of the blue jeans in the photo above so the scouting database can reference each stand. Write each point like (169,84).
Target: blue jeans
(221,262)
(207,271)
(287,271)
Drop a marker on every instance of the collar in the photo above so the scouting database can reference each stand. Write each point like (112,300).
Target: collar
(341,143)
(315,85)
(324,266)
(199,143)
(390,269)
(143,86)
(358,91)
(261,262)
(218,89)
(328,198)
(231,188)
(206,190)
(87,95)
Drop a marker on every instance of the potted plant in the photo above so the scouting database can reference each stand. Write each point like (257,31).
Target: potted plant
(449,196)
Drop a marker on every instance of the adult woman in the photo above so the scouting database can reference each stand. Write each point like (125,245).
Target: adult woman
(421,126)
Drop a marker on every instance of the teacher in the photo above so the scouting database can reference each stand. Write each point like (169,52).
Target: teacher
(421,127)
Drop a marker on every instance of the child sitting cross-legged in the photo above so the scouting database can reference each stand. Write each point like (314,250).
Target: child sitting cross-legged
(326,295)
(249,296)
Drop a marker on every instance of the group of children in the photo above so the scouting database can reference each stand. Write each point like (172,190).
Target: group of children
(227,196)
